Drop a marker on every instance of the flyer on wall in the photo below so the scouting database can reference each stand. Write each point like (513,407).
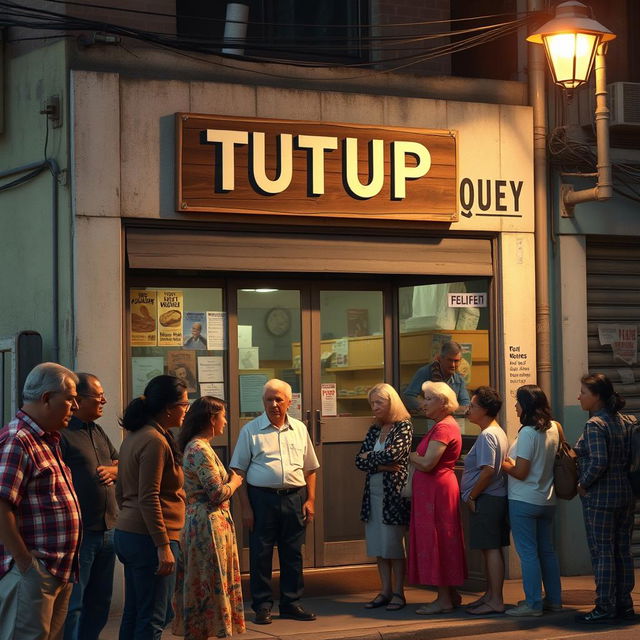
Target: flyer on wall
(142,304)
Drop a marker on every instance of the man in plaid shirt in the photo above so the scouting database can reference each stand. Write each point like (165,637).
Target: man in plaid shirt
(39,512)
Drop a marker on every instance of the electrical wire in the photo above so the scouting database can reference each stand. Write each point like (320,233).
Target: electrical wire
(35,18)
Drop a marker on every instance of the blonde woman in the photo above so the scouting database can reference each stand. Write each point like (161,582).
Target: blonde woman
(384,457)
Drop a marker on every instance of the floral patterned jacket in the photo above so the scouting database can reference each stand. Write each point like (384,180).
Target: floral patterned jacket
(395,508)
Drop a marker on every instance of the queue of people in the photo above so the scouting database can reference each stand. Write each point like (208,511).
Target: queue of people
(60,530)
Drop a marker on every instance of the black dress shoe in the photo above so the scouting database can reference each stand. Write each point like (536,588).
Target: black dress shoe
(296,612)
(597,616)
(625,613)
(263,616)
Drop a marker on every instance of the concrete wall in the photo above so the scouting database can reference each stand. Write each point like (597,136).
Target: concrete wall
(26,257)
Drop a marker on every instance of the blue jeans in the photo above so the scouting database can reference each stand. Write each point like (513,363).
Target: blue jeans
(532,528)
(147,596)
(91,596)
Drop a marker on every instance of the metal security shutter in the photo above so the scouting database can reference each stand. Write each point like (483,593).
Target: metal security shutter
(613,297)
(155,248)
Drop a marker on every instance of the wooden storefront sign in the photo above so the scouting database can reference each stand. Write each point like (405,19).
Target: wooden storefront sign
(302,168)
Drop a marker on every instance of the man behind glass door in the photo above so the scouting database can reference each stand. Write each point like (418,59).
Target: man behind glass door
(443,369)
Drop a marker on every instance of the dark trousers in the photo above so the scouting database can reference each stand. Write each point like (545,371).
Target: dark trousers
(147,596)
(278,521)
(609,538)
(91,595)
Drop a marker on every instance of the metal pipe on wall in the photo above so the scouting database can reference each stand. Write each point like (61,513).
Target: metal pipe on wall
(537,99)
(52,165)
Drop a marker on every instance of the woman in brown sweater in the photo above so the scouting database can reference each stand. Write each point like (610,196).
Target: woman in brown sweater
(152,507)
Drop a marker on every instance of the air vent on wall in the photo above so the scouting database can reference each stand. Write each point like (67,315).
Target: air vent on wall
(624,104)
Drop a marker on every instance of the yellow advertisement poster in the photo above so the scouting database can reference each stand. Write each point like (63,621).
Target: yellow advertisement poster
(169,318)
(144,330)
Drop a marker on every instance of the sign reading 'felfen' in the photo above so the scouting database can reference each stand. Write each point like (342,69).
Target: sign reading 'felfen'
(292,167)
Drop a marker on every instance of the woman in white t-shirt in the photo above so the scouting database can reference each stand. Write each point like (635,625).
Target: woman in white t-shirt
(532,501)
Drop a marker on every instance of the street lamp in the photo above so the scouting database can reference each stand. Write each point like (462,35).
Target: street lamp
(572,40)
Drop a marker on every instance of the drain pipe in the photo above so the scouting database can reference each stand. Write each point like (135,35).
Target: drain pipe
(235,28)
(37,168)
(537,99)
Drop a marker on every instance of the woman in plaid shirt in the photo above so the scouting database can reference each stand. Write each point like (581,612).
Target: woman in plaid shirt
(607,500)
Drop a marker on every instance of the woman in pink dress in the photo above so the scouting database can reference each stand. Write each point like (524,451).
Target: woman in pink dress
(436,545)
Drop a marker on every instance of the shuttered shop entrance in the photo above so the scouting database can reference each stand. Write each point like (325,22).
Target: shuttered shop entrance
(613,298)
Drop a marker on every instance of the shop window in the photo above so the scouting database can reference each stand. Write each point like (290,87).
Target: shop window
(329,31)
(431,315)
(268,346)
(179,332)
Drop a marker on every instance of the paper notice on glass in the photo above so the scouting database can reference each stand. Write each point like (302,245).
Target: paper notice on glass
(295,408)
(210,369)
(215,389)
(464,368)
(249,358)
(251,392)
(245,339)
(607,333)
(626,376)
(341,353)
(215,330)
(194,330)
(142,370)
(329,399)
(625,347)
(182,364)
(144,329)
(169,318)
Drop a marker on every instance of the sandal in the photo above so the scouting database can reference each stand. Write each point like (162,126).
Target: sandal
(379,601)
(432,608)
(396,606)
(484,609)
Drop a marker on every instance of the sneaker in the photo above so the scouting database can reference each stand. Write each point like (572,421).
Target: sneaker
(625,613)
(596,616)
(546,605)
(523,610)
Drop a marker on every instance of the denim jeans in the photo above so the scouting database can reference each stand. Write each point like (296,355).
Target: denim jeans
(147,596)
(91,595)
(532,528)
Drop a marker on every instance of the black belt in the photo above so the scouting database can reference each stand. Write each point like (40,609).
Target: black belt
(280,492)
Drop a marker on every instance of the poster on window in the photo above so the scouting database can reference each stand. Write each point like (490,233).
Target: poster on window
(194,330)
(182,364)
(142,304)
(144,368)
(169,318)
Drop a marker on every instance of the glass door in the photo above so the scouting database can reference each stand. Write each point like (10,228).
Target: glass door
(347,359)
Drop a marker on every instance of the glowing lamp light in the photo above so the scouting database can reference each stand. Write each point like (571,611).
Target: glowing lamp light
(571,40)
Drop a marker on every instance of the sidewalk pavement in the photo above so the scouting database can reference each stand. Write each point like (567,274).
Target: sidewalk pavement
(344,617)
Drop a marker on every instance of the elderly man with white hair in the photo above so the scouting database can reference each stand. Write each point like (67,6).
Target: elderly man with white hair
(278,501)
(39,512)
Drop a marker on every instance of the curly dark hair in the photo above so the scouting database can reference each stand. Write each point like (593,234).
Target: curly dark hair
(536,411)
(489,399)
(198,418)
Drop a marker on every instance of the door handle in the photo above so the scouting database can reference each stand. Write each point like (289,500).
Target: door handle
(307,421)
(318,429)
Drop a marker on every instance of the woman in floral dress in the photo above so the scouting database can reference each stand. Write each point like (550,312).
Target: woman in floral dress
(208,598)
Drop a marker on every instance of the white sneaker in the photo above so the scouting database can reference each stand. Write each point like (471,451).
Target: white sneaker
(523,610)
(546,605)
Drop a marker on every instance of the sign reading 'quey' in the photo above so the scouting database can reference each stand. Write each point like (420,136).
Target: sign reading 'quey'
(253,165)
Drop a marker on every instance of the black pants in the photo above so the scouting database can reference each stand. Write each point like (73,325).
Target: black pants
(278,521)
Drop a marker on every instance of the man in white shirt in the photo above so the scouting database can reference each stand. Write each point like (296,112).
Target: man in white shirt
(275,455)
